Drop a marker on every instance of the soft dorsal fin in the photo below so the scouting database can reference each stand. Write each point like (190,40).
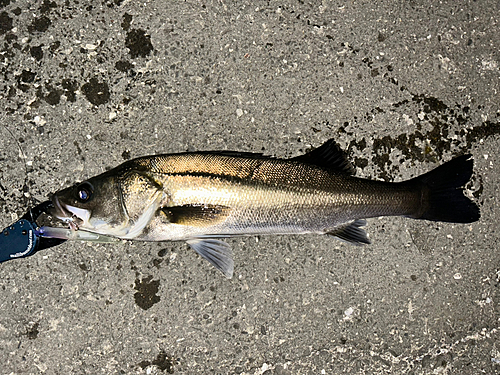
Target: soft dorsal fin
(329,155)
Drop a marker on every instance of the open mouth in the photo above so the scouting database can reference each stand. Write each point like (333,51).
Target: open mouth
(64,214)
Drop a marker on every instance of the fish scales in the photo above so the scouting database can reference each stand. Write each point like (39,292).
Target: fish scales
(273,195)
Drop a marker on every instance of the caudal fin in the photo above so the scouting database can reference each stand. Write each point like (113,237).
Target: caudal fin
(443,195)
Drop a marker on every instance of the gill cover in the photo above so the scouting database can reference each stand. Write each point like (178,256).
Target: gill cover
(141,197)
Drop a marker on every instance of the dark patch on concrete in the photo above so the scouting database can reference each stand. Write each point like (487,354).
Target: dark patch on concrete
(127,20)
(36,52)
(162,252)
(84,267)
(96,92)
(163,361)
(32,331)
(27,76)
(138,43)
(483,131)
(12,92)
(24,79)
(47,6)
(146,297)
(431,104)
(126,155)
(79,150)
(4,3)
(448,134)
(112,3)
(11,38)
(123,66)
(69,89)
(55,46)
(40,24)
(53,97)
(5,23)
(401,103)
(158,261)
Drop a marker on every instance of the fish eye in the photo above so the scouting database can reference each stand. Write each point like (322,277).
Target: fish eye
(84,191)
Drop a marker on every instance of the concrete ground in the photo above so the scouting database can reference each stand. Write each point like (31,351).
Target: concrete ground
(403,88)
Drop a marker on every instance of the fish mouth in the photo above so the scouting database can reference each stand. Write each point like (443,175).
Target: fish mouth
(61,212)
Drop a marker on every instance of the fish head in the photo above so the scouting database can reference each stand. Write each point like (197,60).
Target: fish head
(94,205)
(119,204)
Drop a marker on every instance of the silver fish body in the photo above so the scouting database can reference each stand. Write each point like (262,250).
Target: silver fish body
(200,197)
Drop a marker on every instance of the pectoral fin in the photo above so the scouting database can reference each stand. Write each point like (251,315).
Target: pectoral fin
(196,214)
(352,233)
(218,253)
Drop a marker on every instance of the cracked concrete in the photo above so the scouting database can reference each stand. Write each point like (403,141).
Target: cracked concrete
(403,88)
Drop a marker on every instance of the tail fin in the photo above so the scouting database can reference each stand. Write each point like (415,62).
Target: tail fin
(443,196)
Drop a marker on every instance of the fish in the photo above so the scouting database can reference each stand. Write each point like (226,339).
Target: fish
(203,197)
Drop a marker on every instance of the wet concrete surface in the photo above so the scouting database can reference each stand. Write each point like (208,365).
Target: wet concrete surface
(402,88)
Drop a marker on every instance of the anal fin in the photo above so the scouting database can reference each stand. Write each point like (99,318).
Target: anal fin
(218,253)
(352,233)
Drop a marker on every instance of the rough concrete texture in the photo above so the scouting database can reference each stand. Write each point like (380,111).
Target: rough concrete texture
(402,86)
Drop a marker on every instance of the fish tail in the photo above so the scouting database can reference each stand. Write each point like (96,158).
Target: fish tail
(443,197)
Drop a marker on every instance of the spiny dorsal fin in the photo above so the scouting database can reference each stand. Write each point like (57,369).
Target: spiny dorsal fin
(352,233)
(329,155)
(196,214)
